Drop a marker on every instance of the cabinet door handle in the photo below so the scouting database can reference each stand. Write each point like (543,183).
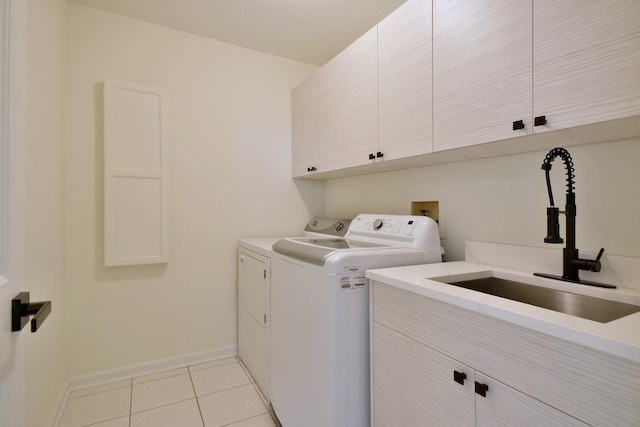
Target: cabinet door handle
(540,121)
(482,389)
(459,377)
(518,124)
(379,154)
(311,169)
(371,156)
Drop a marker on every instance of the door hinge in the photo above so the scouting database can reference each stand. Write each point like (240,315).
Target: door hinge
(265,274)
(265,318)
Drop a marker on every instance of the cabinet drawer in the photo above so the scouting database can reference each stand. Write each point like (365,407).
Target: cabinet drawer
(592,386)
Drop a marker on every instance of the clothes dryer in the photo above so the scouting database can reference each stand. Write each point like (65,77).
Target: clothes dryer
(254,284)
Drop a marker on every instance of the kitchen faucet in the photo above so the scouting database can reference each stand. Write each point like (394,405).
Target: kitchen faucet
(571,262)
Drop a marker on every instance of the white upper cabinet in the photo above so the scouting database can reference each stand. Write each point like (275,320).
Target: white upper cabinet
(586,61)
(370,103)
(358,102)
(325,113)
(303,150)
(335,111)
(482,75)
(464,79)
(404,81)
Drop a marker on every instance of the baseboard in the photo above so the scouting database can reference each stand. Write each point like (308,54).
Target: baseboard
(139,369)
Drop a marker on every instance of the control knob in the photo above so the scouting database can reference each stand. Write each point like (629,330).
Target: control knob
(378,223)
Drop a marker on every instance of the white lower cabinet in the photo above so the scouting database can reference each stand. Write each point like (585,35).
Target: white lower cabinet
(415,385)
(435,364)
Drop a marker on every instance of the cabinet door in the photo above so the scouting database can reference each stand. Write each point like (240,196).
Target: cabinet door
(414,385)
(586,61)
(482,73)
(326,114)
(504,406)
(303,143)
(358,101)
(404,81)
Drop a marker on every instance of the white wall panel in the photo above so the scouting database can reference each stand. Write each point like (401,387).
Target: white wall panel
(136,163)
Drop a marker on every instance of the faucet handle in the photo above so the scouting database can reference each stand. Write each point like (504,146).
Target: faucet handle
(589,264)
(595,264)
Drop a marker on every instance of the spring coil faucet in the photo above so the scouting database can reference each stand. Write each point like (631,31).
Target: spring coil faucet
(571,262)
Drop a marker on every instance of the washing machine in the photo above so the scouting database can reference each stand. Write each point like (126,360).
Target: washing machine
(320,316)
(254,283)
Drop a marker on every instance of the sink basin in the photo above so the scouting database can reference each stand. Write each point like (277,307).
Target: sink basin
(586,307)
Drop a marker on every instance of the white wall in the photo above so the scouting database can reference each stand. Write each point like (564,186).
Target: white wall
(46,367)
(504,199)
(229,178)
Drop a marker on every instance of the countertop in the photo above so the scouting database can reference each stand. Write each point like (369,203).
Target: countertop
(620,337)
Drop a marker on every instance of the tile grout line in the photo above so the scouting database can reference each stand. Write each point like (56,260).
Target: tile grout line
(260,393)
(130,401)
(161,378)
(246,370)
(96,392)
(243,419)
(227,389)
(162,406)
(217,363)
(196,396)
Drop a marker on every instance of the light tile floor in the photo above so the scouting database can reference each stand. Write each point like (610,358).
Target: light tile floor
(213,394)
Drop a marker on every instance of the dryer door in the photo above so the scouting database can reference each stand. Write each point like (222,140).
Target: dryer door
(252,283)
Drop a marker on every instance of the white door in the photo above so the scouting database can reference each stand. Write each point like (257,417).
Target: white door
(11,206)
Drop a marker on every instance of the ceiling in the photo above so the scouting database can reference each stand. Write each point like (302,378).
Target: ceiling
(311,31)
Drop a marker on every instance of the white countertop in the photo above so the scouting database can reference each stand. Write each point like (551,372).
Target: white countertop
(620,337)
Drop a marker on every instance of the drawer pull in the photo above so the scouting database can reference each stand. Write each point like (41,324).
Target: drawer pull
(518,124)
(459,377)
(371,156)
(482,389)
(540,121)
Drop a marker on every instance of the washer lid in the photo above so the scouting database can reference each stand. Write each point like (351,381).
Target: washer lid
(316,251)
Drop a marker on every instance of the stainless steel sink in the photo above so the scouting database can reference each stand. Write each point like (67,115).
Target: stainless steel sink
(587,307)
